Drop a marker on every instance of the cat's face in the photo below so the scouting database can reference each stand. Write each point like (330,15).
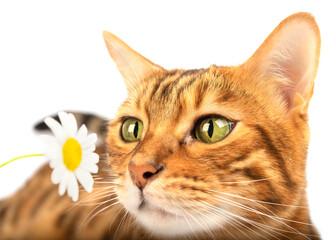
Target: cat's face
(247,167)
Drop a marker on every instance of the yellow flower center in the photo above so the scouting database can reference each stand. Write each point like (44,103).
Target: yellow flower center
(72,154)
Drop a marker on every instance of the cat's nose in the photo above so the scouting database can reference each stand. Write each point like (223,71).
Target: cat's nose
(142,173)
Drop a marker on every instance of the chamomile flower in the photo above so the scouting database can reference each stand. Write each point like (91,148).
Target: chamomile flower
(71,154)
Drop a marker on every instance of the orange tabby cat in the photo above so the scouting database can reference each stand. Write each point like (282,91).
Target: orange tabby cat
(215,153)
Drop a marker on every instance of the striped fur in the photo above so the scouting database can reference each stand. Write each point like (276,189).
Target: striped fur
(250,185)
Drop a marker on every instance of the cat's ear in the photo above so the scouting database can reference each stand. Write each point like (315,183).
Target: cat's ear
(289,58)
(132,66)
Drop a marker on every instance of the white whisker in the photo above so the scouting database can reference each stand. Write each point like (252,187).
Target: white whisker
(204,227)
(254,200)
(219,213)
(275,218)
(255,224)
(192,230)
(222,227)
(112,183)
(251,181)
(93,197)
(115,217)
(120,223)
(98,203)
(86,221)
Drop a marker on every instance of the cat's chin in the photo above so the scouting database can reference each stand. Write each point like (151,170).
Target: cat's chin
(164,222)
(157,220)
(160,222)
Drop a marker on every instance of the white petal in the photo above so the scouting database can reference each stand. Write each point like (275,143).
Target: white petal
(69,123)
(50,145)
(89,148)
(91,157)
(52,150)
(89,140)
(89,167)
(63,185)
(73,188)
(52,163)
(85,179)
(82,133)
(57,175)
(57,129)
(56,160)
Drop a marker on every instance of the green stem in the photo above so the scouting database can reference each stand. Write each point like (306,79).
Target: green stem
(20,157)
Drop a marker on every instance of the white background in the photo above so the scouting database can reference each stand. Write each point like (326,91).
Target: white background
(52,57)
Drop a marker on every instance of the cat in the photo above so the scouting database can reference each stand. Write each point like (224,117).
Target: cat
(213,153)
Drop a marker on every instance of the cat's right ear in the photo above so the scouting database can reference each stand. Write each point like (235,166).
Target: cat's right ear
(132,66)
(288,60)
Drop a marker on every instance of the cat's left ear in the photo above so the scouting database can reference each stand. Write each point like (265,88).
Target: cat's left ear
(132,66)
(289,59)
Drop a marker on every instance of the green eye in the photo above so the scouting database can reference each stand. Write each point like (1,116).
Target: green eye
(131,130)
(212,129)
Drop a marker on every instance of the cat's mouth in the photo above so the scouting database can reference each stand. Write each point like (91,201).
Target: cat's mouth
(143,202)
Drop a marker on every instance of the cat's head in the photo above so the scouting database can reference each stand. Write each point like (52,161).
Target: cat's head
(196,150)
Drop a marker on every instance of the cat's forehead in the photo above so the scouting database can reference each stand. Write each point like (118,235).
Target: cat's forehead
(168,96)
(176,99)
(177,94)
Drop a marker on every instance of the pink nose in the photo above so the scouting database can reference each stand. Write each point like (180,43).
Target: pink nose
(142,173)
